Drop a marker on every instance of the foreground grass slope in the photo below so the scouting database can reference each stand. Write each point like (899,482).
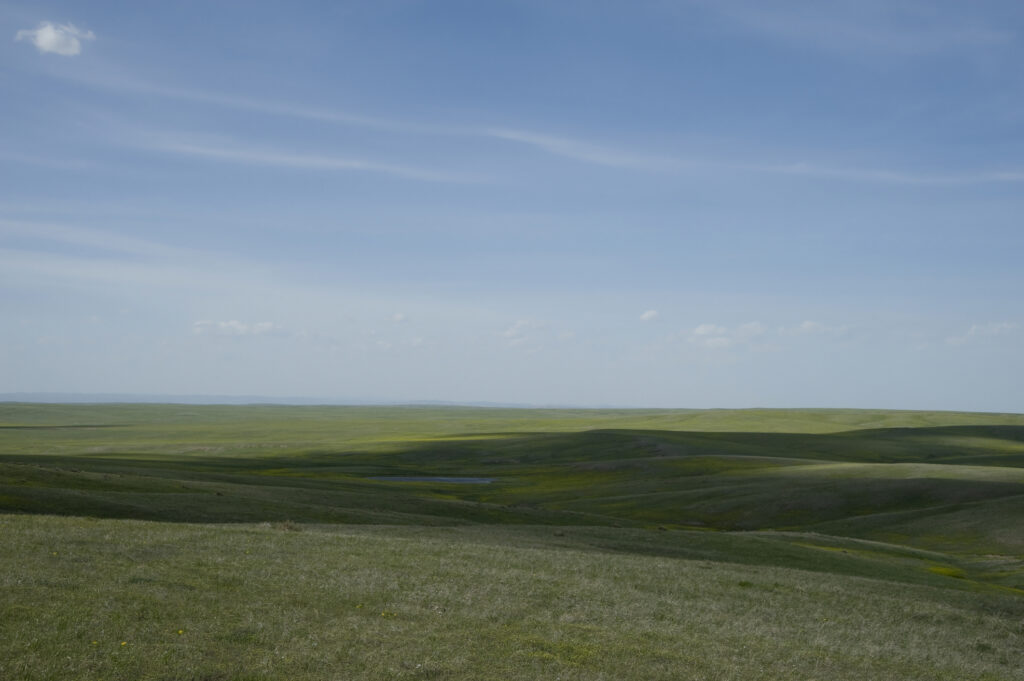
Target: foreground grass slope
(116,599)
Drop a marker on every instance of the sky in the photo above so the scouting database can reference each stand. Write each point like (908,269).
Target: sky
(653,203)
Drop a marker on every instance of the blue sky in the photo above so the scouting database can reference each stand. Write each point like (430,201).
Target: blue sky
(699,203)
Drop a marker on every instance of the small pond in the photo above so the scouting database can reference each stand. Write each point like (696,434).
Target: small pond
(433,478)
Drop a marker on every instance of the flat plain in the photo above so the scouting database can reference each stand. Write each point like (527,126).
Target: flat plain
(269,542)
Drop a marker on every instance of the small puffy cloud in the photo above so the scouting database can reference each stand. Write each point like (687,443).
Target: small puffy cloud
(759,337)
(979,331)
(533,335)
(750,330)
(517,329)
(519,333)
(812,328)
(709,330)
(718,342)
(398,317)
(264,329)
(717,337)
(62,39)
(711,336)
(649,315)
(235,328)
(992,328)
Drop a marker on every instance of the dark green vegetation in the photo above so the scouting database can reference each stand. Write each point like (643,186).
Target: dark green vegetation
(611,544)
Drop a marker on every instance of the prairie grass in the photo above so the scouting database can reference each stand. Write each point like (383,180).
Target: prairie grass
(115,599)
(612,544)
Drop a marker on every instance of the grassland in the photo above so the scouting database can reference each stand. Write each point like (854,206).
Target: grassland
(187,542)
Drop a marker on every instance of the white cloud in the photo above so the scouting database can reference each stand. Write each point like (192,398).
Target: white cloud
(83,236)
(47,162)
(62,39)
(579,150)
(516,329)
(711,336)
(753,335)
(649,315)
(718,342)
(750,330)
(813,328)
(265,157)
(529,333)
(864,27)
(584,151)
(518,333)
(978,331)
(709,330)
(234,327)
(884,175)
(992,328)
(139,86)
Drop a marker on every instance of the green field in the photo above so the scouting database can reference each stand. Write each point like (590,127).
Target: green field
(260,542)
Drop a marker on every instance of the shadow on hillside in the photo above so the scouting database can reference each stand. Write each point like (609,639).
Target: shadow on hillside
(597,477)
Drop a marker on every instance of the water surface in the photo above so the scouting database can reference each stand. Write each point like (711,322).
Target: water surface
(433,478)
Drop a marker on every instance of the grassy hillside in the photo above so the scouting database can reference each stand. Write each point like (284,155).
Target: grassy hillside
(803,470)
(114,599)
(789,544)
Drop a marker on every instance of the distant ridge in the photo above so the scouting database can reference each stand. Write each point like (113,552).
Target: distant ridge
(99,398)
(240,400)
(135,398)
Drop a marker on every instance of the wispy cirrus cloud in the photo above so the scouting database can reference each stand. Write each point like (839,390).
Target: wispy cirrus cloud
(131,85)
(76,256)
(248,155)
(571,148)
(584,151)
(887,176)
(47,161)
(63,39)
(580,150)
(911,27)
(229,151)
(73,235)
(589,151)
